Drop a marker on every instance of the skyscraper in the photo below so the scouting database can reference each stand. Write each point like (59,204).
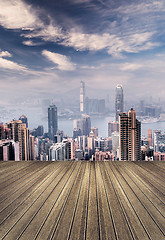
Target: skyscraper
(149,137)
(24,119)
(119,103)
(52,121)
(82,97)
(31,148)
(20,134)
(23,139)
(84,124)
(112,127)
(129,136)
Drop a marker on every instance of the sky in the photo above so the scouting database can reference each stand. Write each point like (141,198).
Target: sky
(48,47)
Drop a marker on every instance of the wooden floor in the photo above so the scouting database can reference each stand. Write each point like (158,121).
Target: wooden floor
(82,200)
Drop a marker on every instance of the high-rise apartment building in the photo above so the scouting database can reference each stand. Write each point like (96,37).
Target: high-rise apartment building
(149,137)
(13,125)
(5,132)
(20,133)
(52,121)
(31,148)
(23,139)
(62,151)
(159,141)
(24,119)
(82,97)
(115,143)
(119,103)
(129,136)
(7,150)
(90,144)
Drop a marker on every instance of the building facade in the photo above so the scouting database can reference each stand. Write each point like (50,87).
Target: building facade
(83,124)
(24,119)
(119,102)
(149,137)
(159,141)
(20,133)
(62,151)
(129,136)
(52,121)
(112,127)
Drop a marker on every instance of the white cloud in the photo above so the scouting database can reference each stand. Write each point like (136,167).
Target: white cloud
(31,43)
(47,33)
(63,62)
(15,14)
(5,54)
(7,64)
(130,66)
(82,41)
(113,44)
(142,7)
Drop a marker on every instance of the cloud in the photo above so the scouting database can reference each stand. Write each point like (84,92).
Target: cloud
(6,64)
(113,44)
(62,62)
(31,43)
(11,65)
(15,14)
(5,54)
(82,41)
(142,7)
(138,17)
(130,66)
(122,37)
(47,33)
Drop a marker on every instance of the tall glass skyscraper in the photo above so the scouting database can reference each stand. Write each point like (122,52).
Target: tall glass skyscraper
(52,121)
(119,103)
(82,97)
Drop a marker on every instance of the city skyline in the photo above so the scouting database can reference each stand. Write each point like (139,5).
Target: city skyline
(46,49)
(124,141)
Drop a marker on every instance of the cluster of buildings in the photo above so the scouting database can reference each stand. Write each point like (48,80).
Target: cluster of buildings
(15,141)
(153,147)
(123,143)
(148,110)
